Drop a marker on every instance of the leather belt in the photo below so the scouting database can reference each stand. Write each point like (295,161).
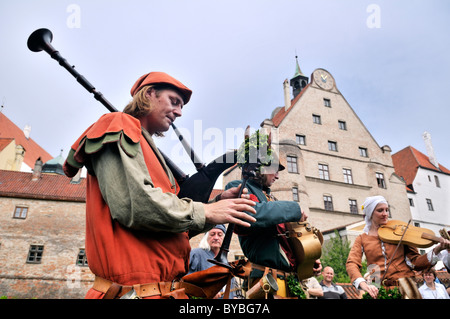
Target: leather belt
(113,290)
(390,283)
(275,272)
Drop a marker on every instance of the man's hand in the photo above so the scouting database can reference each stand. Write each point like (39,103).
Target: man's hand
(304,216)
(443,244)
(234,192)
(230,211)
(317,268)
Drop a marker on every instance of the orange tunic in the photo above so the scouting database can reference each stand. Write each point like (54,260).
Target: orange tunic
(115,252)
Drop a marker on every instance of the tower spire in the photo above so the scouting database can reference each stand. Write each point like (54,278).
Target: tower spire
(299,80)
(298,71)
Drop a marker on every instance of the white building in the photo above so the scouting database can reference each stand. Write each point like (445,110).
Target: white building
(428,186)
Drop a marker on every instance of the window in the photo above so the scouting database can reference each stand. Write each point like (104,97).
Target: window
(20,212)
(342,125)
(328,202)
(35,254)
(332,146)
(436,180)
(301,139)
(347,175)
(81,258)
(430,205)
(292,164)
(295,194)
(380,180)
(327,102)
(363,152)
(411,202)
(323,172)
(353,206)
(316,119)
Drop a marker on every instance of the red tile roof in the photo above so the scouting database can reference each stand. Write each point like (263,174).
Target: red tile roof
(48,187)
(407,162)
(351,291)
(33,151)
(281,114)
(5,142)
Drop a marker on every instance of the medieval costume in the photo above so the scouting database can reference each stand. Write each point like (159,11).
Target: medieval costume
(136,226)
(263,243)
(381,254)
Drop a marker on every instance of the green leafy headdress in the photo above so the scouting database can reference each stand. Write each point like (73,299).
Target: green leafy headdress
(255,151)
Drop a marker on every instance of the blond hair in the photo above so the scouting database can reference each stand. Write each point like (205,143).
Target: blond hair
(140,105)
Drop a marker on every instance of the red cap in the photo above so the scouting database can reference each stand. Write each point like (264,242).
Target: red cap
(161,78)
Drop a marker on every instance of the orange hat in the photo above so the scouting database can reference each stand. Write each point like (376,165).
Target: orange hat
(163,78)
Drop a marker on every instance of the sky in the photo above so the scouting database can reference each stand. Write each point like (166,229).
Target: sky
(390,61)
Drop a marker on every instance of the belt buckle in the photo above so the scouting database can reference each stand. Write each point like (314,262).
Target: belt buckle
(131,295)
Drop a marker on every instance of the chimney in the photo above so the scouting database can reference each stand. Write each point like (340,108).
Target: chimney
(26,131)
(430,150)
(287,95)
(37,170)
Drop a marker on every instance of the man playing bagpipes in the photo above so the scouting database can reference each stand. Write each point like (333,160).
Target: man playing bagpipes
(137,227)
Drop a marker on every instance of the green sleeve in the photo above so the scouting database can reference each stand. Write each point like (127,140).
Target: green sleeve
(271,213)
(134,201)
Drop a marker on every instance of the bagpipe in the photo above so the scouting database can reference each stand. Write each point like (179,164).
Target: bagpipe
(199,186)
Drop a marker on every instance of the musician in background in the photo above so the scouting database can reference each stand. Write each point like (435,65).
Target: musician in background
(136,226)
(263,243)
(381,254)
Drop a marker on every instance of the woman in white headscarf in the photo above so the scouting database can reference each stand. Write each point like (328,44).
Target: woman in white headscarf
(380,255)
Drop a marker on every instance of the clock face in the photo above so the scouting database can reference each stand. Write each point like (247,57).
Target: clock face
(323,79)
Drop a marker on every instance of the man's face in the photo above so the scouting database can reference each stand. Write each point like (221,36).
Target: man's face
(167,105)
(271,178)
(328,274)
(215,238)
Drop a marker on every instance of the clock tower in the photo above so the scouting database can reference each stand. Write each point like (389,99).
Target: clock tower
(323,79)
(299,81)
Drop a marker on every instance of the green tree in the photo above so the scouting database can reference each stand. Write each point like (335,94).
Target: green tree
(334,254)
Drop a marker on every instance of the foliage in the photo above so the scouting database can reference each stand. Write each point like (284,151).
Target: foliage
(384,293)
(334,254)
(255,147)
(295,288)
